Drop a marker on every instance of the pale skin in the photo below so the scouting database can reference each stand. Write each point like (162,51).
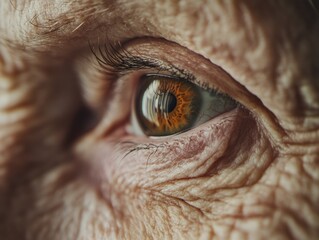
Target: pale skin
(249,173)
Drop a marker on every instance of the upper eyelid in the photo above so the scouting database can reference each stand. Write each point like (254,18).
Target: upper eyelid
(115,59)
(154,54)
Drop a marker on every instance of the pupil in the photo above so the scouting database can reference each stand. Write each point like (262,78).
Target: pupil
(170,102)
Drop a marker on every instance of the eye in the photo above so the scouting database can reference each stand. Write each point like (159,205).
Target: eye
(166,105)
(152,92)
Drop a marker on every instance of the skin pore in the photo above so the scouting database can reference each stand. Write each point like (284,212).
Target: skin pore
(73,167)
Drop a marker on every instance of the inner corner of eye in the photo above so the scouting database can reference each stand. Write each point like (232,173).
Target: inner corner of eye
(166,105)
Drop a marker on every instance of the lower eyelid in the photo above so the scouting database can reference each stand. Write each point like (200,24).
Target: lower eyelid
(154,161)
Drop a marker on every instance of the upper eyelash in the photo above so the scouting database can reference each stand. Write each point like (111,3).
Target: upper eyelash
(115,59)
(118,59)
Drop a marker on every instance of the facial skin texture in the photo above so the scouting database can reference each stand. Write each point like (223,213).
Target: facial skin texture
(251,173)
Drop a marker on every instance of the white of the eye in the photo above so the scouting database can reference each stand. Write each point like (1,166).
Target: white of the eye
(212,105)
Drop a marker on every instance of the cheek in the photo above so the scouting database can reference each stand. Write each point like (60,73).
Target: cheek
(147,183)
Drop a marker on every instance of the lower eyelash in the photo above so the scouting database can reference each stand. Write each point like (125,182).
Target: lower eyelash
(144,146)
(178,140)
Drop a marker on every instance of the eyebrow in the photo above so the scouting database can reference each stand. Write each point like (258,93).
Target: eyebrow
(43,22)
(48,23)
(71,19)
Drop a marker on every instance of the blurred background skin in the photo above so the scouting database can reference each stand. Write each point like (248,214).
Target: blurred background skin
(251,173)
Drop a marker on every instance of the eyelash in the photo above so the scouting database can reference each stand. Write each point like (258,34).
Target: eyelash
(116,61)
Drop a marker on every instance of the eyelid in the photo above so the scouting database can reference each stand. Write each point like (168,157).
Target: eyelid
(123,58)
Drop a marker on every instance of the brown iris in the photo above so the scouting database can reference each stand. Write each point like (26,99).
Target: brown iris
(165,105)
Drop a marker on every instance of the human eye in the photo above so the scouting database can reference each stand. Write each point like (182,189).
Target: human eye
(165,99)
(165,105)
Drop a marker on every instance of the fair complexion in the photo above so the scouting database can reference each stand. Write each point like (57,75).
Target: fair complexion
(251,172)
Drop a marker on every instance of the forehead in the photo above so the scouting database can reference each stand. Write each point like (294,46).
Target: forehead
(30,20)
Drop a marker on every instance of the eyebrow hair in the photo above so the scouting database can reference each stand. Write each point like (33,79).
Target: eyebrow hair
(37,24)
(73,18)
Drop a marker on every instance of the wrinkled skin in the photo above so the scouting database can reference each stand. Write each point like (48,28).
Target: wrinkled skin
(250,173)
